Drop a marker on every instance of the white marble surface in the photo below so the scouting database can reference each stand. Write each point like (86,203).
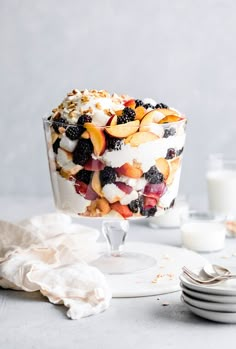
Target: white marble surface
(29,321)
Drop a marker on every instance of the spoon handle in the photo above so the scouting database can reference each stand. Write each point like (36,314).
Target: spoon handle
(214,280)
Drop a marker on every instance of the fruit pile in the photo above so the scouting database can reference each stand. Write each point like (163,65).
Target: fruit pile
(120,155)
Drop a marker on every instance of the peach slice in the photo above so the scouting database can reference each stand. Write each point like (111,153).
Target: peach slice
(112,121)
(61,130)
(130,103)
(163,166)
(123,210)
(85,135)
(54,136)
(151,117)
(119,112)
(103,206)
(96,183)
(123,130)
(174,165)
(168,111)
(140,112)
(129,171)
(170,118)
(97,138)
(141,137)
(66,174)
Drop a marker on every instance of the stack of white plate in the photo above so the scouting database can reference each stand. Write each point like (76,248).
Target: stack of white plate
(213,302)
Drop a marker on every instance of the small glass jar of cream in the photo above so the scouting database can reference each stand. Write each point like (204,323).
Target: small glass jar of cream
(202,232)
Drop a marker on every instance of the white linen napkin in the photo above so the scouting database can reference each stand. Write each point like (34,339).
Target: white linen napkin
(49,254)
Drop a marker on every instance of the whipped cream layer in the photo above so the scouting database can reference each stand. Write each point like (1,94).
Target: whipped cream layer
(145,154)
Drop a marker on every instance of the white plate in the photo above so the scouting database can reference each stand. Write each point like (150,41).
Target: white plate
(170,261)
(216,316)
(226,288)
(209,297)
(224,307)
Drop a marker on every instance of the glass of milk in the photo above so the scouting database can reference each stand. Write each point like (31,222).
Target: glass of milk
(221,185)
(202,231)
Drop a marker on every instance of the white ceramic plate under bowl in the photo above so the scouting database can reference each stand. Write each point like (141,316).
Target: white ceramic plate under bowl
(226,288)
(216,316)
(224,307)
(209,297)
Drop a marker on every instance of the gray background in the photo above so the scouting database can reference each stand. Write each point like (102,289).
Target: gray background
(179,52)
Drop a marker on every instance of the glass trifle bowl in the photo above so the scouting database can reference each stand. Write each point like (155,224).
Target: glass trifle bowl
(115,158)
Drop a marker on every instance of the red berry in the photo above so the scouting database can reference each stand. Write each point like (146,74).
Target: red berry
(81,188)
(155,190)
(124,187)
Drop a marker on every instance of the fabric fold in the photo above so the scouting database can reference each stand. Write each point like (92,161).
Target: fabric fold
(49,254)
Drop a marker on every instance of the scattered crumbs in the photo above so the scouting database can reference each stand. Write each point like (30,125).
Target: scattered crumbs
(170,276)
(163,266)
(225,257)
(165,256)
(158,299)
(165,304)
(157,277)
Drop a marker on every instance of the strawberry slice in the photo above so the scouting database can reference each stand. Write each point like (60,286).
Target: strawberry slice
(123,210)
(130,103)
(85,190)
(149,202)
(127,189)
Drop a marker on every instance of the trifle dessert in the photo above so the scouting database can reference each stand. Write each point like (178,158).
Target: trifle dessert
(113,155)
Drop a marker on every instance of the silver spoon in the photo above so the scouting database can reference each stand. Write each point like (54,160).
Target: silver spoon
(202,278)
(214,270)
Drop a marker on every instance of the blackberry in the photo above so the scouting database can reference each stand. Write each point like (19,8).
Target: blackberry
(114,143)
(107,176)
(161,106)
(61,122)
(74,132)
(128,114)
(169,132)
(82,152)
(180,151)
(56,145)
(148,105)
(148,211)
(170,153)
(84,176)
(153,176)
(138,102)
(84,118)
(134,205)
